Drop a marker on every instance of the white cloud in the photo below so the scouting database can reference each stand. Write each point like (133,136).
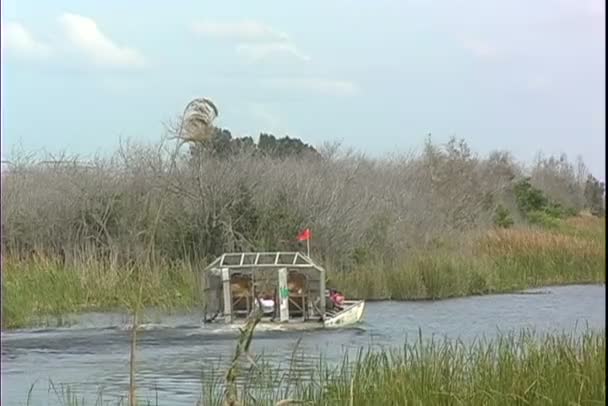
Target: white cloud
(16,39)
(243,31)
(83,34)
(257,52)
(255,41)
(315,85)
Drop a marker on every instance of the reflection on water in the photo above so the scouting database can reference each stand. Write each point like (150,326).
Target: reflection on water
(176,353)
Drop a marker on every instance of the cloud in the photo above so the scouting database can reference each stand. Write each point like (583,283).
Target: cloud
(86,37)
(243,31)
(257,52)
(16,39)
(255,41)
(327,87)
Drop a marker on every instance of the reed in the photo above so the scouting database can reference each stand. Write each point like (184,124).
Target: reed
(40,289)
(513,369)
(494,261)
(520,368)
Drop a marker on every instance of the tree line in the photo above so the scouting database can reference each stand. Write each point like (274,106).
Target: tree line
(235,194)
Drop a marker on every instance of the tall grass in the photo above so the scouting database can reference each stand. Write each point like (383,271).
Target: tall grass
(486,262)
(495,261)
(39,287)
(513,369)
(521,368)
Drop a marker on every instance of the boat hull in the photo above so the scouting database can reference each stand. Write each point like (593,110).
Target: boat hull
(352,313)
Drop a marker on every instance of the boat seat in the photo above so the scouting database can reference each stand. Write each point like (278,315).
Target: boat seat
(298,304)
(242,300)
(298,294)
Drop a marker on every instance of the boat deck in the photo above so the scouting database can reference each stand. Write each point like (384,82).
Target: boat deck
(351,313)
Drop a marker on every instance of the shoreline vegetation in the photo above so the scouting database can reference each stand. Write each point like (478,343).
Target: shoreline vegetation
(521,367)
(436,224)
(499,261)
(495,261)
(508,261)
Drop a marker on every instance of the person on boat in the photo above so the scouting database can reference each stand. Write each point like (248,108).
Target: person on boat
(263,300)
(267,303)
(336,298)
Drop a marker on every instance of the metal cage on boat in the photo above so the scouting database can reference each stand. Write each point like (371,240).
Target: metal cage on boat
(290,286)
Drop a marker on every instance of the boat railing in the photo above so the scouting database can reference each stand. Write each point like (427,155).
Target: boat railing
(276,260)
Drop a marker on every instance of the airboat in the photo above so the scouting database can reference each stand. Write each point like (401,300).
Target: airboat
(288,288)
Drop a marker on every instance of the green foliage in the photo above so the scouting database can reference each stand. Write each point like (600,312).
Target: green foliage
(222,144)
(284,147)
(502,217)
(543,218)
(557,211)
(537,208)
(528,197)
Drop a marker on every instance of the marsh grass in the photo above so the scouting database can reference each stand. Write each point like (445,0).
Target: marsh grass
(522,368)
(513,369)
(494,261)
(40,287)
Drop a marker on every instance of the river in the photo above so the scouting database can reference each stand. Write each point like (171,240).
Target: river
(174,350)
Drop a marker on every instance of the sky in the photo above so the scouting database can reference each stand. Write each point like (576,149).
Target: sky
(523,76)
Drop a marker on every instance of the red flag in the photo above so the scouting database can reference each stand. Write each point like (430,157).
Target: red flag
(305,235)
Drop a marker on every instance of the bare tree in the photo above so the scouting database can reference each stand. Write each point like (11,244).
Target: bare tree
(154,201)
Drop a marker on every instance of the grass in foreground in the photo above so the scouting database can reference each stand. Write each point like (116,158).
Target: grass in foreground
(500,260)
(518,369)
(510,370)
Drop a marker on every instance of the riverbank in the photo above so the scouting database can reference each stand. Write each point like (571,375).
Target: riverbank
(495,261)
(517,368)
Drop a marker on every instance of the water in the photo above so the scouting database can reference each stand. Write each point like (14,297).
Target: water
(174,350)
